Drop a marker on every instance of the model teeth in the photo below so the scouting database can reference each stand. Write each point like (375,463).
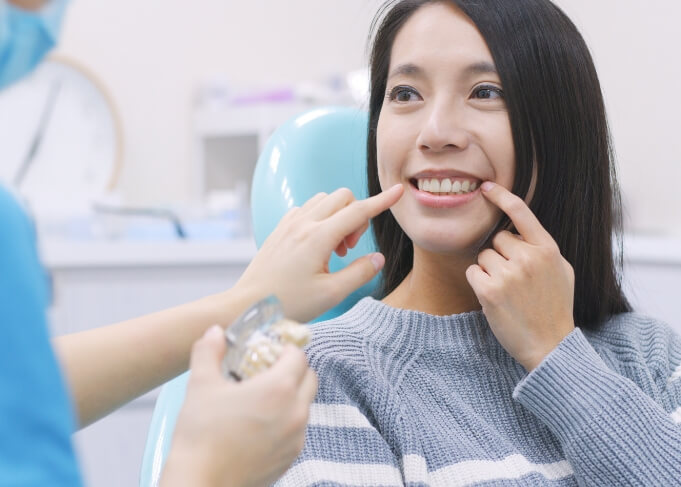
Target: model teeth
(446,186)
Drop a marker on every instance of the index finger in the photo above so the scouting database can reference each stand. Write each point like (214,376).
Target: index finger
(358,213)
(207,353)
(292,364)
(520,214)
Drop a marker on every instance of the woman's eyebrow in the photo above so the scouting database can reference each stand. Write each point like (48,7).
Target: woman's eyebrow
(481,67)
(408,69)
(478,68)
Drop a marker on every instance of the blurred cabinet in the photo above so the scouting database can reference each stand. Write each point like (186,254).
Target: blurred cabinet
(95,284)
(652,277)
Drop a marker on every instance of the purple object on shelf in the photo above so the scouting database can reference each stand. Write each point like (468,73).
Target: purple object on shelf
(271,96)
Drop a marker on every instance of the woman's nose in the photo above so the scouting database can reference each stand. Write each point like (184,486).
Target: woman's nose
(443,130)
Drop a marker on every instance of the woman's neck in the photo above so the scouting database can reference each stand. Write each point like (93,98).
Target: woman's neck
(436,285)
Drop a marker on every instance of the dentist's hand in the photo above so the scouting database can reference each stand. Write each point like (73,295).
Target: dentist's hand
(241,434)
(293,263)
(524,284)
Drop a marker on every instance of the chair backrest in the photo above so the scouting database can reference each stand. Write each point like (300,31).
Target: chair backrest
(320,150)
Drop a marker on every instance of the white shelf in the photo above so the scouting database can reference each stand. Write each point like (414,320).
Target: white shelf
(251,119)
(652,249)
(61,254)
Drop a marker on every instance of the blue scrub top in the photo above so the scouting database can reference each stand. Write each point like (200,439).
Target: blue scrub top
(36,417)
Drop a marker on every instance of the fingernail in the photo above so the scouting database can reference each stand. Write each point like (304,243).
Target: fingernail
(378,260)
(213,332)
(487,185)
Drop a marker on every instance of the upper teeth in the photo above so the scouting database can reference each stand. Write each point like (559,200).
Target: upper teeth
(446,186)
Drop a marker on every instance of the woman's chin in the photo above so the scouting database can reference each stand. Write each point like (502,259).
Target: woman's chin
(454,244)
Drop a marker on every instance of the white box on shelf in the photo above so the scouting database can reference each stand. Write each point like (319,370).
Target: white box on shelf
(228,143)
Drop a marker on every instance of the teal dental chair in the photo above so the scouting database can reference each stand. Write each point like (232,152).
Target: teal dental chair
(320,150)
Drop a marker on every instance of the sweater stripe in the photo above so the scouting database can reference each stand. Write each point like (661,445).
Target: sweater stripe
(318,471)
(415,467)
(474,471)
(337,416)
(416,472)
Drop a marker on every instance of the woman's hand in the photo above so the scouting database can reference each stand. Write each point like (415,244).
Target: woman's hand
(293,263)
(525,286)
(245,434)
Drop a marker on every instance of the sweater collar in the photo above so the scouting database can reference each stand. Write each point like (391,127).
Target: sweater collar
(389,325)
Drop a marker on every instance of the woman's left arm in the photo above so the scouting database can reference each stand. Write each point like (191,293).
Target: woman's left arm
(612,432)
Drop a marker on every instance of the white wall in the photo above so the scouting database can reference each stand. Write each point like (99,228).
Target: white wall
(637,50)
(152,54)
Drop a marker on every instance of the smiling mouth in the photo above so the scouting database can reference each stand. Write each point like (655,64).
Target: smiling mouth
(445,186)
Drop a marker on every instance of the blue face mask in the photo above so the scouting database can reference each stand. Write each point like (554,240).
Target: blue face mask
(26,36)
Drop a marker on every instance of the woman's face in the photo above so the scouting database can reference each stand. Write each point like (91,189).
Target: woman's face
(443,128)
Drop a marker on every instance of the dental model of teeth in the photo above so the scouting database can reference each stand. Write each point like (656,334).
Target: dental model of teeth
(264,348)
(446,186)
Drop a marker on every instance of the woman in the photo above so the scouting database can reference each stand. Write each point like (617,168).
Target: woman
(503,349)
(227,434)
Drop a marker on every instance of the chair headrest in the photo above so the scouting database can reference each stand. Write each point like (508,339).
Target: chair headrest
(317,151)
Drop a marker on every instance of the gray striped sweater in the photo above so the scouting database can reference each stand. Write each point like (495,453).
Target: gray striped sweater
(407,398)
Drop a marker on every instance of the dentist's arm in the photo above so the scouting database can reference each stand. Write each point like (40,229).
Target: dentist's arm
(109,366)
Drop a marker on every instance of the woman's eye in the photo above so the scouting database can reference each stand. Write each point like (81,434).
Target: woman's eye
(403,94)
(488,93)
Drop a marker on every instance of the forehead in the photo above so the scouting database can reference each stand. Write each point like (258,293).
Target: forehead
(439,34)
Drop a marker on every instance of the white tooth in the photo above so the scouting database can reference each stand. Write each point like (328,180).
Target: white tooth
(419,183)
(426,185)
(465,186)
(446,186)
(434,186)
(473,186)
(456,187)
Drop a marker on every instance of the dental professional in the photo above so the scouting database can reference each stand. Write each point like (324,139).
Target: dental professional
(227,434)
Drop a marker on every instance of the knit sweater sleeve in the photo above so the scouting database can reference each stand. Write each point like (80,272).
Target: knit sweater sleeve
(616,427)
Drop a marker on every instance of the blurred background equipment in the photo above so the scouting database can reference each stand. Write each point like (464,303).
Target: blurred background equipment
(61,139)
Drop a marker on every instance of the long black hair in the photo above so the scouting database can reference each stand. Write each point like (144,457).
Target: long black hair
(558,121)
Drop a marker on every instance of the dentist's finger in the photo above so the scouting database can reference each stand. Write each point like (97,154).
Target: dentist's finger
(291,366)
(350,241)
(313,202)
(340,198)
(357,214)
(355,275)
(341,250)
(308,389)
